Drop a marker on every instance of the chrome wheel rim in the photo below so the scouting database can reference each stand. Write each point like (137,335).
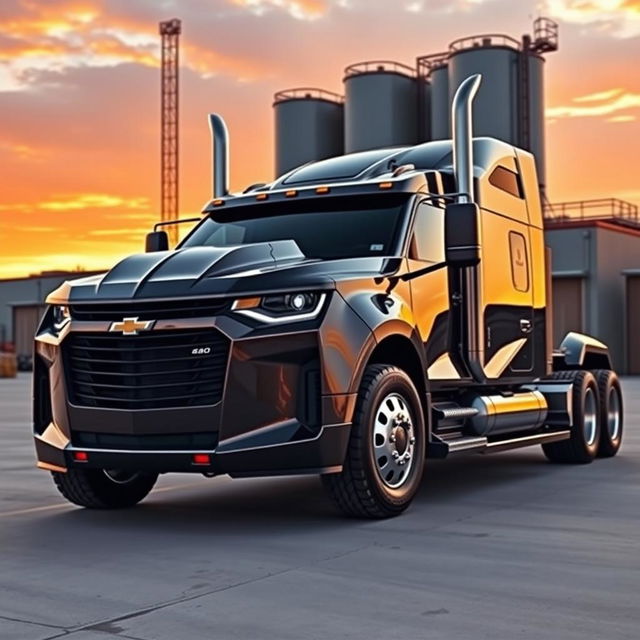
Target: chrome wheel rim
(614,415)
(590,424)
(120,476)
(393,440)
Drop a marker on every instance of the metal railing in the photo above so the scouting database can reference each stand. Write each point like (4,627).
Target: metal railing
(426,64)
(612,209)
(307,93)
(379,66)
(484,40)
(545,35)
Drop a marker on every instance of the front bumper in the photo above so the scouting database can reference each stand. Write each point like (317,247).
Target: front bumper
(285,406)
(322,454)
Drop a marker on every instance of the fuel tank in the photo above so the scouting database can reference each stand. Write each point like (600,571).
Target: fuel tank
(505,413)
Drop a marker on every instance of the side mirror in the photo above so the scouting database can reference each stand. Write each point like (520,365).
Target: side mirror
(461,237)
(157,241)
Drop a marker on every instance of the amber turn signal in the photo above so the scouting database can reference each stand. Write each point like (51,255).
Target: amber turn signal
(246,303)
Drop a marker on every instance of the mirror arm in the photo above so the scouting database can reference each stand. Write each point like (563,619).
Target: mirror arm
(420,272)
(166,223)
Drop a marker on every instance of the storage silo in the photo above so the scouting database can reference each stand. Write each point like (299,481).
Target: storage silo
(496,57)
(309,126)
(440,104)
(424,109)
(381,106)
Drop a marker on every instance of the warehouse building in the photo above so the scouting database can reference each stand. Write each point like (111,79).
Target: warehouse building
(22,306)
(596,275)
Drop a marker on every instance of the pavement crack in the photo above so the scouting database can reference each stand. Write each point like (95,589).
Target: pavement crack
(109,622)
(36,624)
(110,625)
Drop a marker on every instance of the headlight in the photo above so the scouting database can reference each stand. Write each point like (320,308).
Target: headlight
(61,316)
(287,307)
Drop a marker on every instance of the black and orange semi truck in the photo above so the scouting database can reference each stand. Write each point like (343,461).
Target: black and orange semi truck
(352,319)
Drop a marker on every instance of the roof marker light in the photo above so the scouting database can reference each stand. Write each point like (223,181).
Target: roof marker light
(385,185)
(218,202)
(262,196)
(292,193)
(323,190)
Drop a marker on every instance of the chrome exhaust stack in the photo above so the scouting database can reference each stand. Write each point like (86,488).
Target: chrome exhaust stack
(462,126)
(220,155)
(463,241)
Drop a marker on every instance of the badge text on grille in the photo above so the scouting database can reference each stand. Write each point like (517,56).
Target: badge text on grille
(201,351)
(131,326)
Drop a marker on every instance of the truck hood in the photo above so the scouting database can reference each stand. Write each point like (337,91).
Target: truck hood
(201,271)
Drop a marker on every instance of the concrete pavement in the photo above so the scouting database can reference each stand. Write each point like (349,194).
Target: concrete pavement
(502,546)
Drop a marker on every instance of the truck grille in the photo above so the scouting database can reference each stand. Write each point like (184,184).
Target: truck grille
(150,371)
(150,310)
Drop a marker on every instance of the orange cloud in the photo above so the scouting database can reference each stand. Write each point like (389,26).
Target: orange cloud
(75,35)
(600,104)
(300,9)
(80,201)
(620,17)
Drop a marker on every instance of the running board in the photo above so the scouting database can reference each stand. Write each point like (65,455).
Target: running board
(525,441)
(443,448)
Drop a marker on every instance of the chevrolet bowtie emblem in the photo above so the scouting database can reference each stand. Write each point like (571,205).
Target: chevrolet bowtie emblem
(131,326)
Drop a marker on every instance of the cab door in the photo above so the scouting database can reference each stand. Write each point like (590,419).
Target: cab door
(506,298)
(430,291)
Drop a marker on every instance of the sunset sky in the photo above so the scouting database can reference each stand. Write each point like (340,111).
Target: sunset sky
(79,101)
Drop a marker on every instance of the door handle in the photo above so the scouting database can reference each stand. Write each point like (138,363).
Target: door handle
(525,325)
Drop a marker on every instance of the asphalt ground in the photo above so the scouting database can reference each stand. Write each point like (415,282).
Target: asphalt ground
(501,546)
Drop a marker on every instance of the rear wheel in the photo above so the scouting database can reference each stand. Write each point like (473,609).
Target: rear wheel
(385,459)
(104,488)
(611,415)
(582,446)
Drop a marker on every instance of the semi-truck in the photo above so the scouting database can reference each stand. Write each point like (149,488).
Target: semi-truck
(353,319)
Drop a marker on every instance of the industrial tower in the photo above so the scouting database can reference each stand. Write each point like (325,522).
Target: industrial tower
(170,32)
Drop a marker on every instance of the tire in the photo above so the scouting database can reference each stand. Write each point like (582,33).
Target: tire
(582,446)
(374,482)
(101,489)
(611,412)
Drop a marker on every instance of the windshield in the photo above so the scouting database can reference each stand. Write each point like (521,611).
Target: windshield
(335,227)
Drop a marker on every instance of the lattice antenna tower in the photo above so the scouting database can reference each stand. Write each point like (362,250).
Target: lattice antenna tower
(169,141)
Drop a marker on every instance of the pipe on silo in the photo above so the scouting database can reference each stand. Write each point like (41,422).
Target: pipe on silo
(220,155)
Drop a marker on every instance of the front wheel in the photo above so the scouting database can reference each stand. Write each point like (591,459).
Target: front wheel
(104,488)
(385,458)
